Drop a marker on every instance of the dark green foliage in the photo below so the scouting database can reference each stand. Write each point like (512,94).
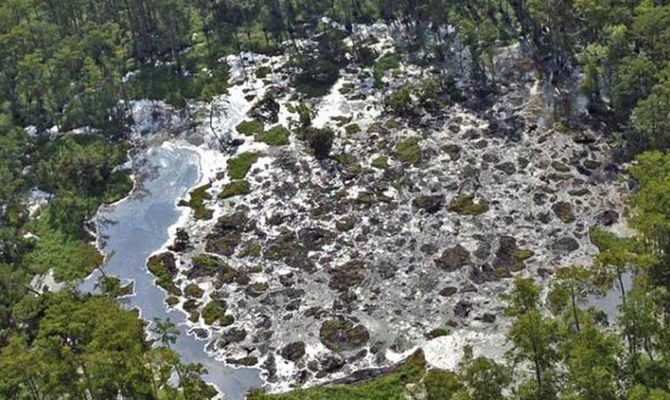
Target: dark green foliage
(275,136)
(321,141)
(385,63)
(317,76)
(198,196)
(235,188)
(465,204)
(241,164)
(213,312)
(390,387)
(408,151)
(164,268)
(250,128)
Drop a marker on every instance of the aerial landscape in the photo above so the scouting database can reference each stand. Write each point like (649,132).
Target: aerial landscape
(345,199)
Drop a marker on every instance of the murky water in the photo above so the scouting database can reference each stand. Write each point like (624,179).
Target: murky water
(132,230)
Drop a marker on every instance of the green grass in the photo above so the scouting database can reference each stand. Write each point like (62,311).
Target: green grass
(239,166)
(389,387)
(275,136)
(197,202)
(250,128)
(235,188)
(408,151)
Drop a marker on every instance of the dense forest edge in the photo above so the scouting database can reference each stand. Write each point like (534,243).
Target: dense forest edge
(70,72)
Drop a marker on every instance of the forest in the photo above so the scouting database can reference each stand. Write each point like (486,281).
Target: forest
(79,65)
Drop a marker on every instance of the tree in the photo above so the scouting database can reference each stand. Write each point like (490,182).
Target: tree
(573,285)
(483,377)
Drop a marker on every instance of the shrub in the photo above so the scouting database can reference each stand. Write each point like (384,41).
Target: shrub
(352,129)
(250,128)
(275,136)
(240,165)
(408,151)
(465,204)
(321,141)
(400,102)
(317,76)
(381,162)
(193,290)
(235,188)
(386,62)
(197,202)
(263,71)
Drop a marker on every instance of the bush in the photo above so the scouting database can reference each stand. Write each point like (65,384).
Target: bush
(400,102)
(408,151)
(250,128)
(321,141)
(441,384)
(385,63)
(275,136)
(464,204)
(197,202)
(381,162)
(317,76)
(240,165)
(352,129)
(193,290)
(235,188)
(213,312)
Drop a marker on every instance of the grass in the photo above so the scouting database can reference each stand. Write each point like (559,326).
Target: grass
(388,387)
(240,165)
(250,128)
(235,188)
(408,151)
(197,202)
(276,136)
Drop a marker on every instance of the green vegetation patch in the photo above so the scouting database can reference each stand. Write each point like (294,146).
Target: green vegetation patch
(389,387)
(385,63)
(239,166)
(409,151)
(165,82)
(235,188)
(213,312)
(193,290)
(164,268)
(464,204)
(352,129)
(71,259)
(276,136)
(250,128)
(197,202)
(381,162)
